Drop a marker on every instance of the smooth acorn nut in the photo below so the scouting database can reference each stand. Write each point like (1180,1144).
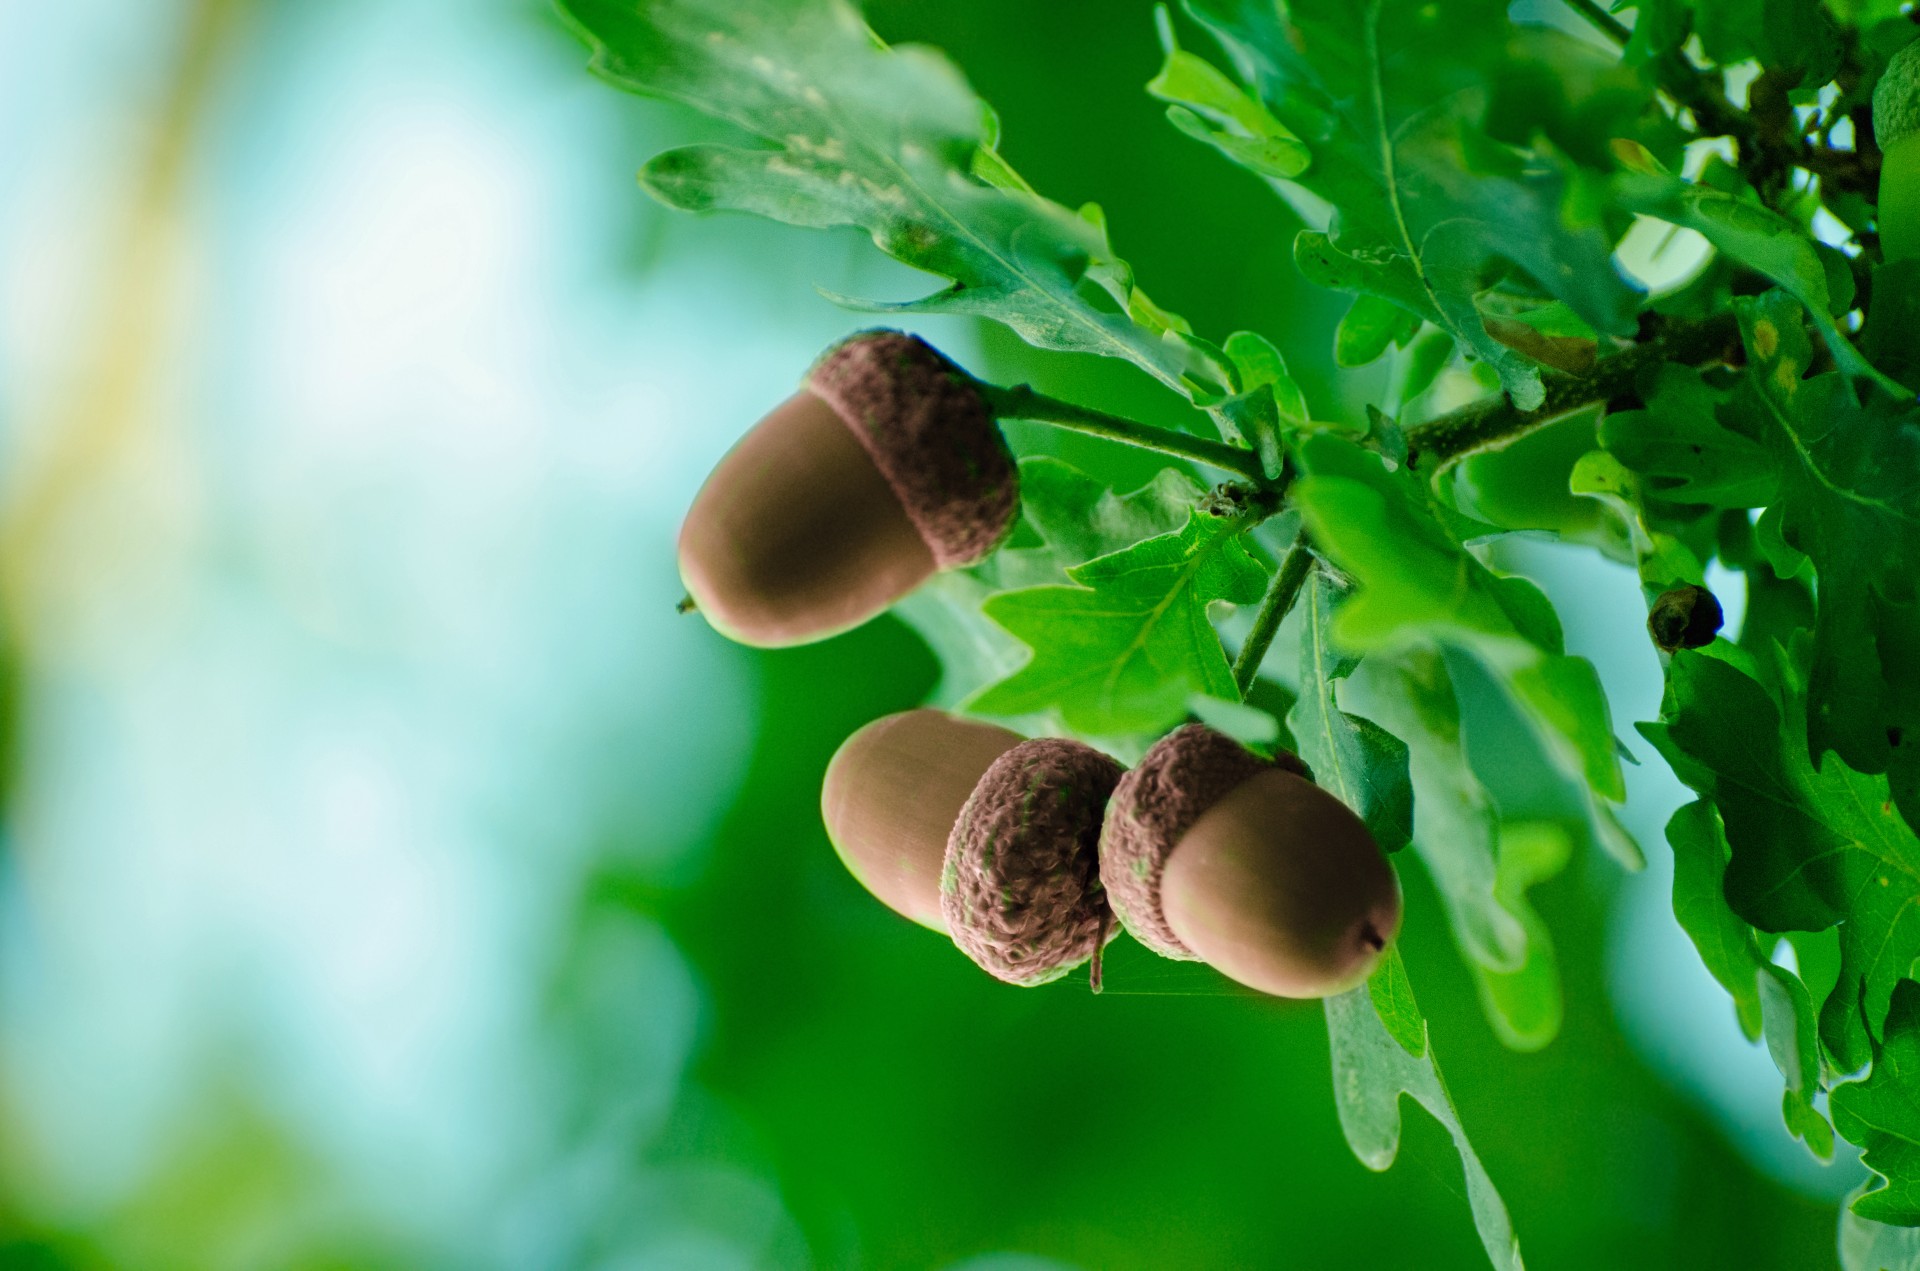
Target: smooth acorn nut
(1896,127)
(892,794)
(885,467)
(1213,854)
(966,828)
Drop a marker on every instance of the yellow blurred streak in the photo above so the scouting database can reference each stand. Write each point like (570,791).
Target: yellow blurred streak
(103,434)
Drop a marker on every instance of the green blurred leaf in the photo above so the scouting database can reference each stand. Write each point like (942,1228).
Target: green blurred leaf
(1373,1066)
(887,141)
(1212,108)
(1457,835)
(1882,1114)
(1850,501)
(1416,582)
(1768,999)
(1872,1246)
(1789,35)
(1371,326)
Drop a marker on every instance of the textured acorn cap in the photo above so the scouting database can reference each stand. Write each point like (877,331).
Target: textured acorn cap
(892,794)
(1896,98)
(1175,783)
(930,434)
(1021,885)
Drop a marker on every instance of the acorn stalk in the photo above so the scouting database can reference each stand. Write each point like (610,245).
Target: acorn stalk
(1896,127)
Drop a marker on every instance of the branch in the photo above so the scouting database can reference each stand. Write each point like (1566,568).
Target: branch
(1485,424)
(1281,594)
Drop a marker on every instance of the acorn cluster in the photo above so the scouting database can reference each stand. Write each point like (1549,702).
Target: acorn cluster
(1031,854)
(1026,852)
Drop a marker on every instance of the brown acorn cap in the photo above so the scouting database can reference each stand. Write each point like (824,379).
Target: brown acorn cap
(1021,885)
(892,794)
(1175,783)
(932,436)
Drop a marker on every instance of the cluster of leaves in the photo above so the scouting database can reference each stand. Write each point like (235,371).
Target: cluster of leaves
(1469,180)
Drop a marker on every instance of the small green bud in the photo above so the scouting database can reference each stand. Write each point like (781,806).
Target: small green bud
(1684,618)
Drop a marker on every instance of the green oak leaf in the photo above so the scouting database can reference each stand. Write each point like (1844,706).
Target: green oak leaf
(1352,758)
(1458,835)
(1374,1064)
(892,142)
(1370,327)
(1850,501)
(1391,98)
(1124,651)
(1810,848)
(1769,1000)
(1210,107)
(1762,239)
(1882,1114)
(1417,583)
(1692,444)
(1078,517)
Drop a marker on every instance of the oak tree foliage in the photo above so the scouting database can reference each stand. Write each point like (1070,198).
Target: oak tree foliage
(1469,178)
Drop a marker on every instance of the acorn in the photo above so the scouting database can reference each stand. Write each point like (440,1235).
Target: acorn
(885,467)
(970,830)
(1213,854)
(1896,128)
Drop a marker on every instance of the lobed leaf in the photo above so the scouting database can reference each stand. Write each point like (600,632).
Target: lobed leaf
(892,142)
(1850,502)
(1124,651)
(1374,1064)
(1352,758)
(1392,100)
(1882,1114)
(1810,847)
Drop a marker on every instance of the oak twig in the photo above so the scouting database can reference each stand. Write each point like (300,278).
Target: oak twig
(1281,594)
(1484,424)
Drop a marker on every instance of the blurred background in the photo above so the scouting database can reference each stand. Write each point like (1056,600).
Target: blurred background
(391,879)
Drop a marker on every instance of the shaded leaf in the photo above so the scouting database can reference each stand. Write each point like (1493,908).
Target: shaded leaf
(1352,758)
(1373,1067)
(1850,501)
(1809,848)
(1882,1114)
(887,141)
